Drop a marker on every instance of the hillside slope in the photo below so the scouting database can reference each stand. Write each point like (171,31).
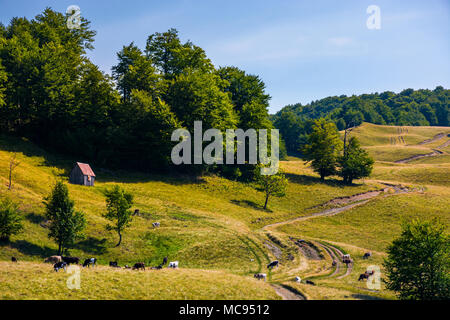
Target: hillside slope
(213,224)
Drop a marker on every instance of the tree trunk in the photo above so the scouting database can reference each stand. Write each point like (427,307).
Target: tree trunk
(267,199)
(10,177)
(120,239)
(322,177)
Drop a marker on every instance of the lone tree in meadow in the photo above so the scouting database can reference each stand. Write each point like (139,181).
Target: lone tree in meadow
(118,204)
(355,163)
(271,185)
(10,221)
(418,262)
(66,224)
(323,147)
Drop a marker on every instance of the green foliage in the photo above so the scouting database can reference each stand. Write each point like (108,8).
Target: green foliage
(271,185)
(66,224)
(355,163)
(10,220)
(173,58)
(323,147)
(407,108)
(51,93)
(118,204)
(198,96)
(418,262)
(135,71)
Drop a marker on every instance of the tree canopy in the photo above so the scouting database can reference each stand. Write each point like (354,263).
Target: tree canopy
(408,108)
(418,262)
(53,94)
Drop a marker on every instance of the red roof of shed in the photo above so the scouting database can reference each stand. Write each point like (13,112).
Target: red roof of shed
(86,169)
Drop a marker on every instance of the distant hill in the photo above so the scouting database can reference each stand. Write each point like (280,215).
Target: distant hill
(408,108)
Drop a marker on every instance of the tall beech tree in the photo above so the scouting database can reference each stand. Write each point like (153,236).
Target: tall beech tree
(418,262)
(355,162)
(66,224)
(323,148)
(118,204)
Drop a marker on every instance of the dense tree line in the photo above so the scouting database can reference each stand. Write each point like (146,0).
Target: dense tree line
(51,93)
(407,108)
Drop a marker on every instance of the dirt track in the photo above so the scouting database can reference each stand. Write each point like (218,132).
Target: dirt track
(420,156)
(287,294)
(435,138)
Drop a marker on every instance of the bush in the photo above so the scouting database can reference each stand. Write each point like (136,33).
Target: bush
(10,221)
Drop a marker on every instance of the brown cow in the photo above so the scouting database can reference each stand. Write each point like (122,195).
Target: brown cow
(53,259)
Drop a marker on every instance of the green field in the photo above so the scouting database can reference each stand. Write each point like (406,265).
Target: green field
(216,229)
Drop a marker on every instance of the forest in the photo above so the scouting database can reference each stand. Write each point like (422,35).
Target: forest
(51,93)
(407,108)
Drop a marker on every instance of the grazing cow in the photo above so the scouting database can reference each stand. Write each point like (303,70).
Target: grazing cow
(157,267)
(173,264)
(273,264)
(367,255)
(310,282)
(113,264)
(366,275)
(298,279)
(53,259)
(59,265)
(164,261)
(13,259)
(139,265)
(89,262)
(346,259)
(260,276)
(71,260)
(156,224)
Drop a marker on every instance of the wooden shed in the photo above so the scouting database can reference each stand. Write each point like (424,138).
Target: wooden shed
(82,174)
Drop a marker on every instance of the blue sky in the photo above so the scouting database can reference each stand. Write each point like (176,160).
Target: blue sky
(302,50)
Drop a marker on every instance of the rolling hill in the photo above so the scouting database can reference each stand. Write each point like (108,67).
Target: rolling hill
(218,231)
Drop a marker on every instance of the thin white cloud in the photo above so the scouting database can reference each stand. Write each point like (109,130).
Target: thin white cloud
(341,41)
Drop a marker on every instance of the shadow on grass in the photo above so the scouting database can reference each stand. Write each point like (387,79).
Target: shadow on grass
(310,180)
(92,245)
(35,218)
(32,249)
(250,204)
(65,163)
(365,297)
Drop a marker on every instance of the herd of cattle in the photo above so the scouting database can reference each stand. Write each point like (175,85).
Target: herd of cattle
(345,259)
(61,262)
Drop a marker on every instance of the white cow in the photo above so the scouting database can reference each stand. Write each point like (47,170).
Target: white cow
(173,264)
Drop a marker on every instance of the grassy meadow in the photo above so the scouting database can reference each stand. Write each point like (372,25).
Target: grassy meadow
(214,227)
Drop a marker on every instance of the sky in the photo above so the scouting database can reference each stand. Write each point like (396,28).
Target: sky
(302,50)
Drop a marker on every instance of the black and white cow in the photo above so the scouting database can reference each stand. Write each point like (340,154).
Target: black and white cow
(89,262)
(273,264)
(59,265)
